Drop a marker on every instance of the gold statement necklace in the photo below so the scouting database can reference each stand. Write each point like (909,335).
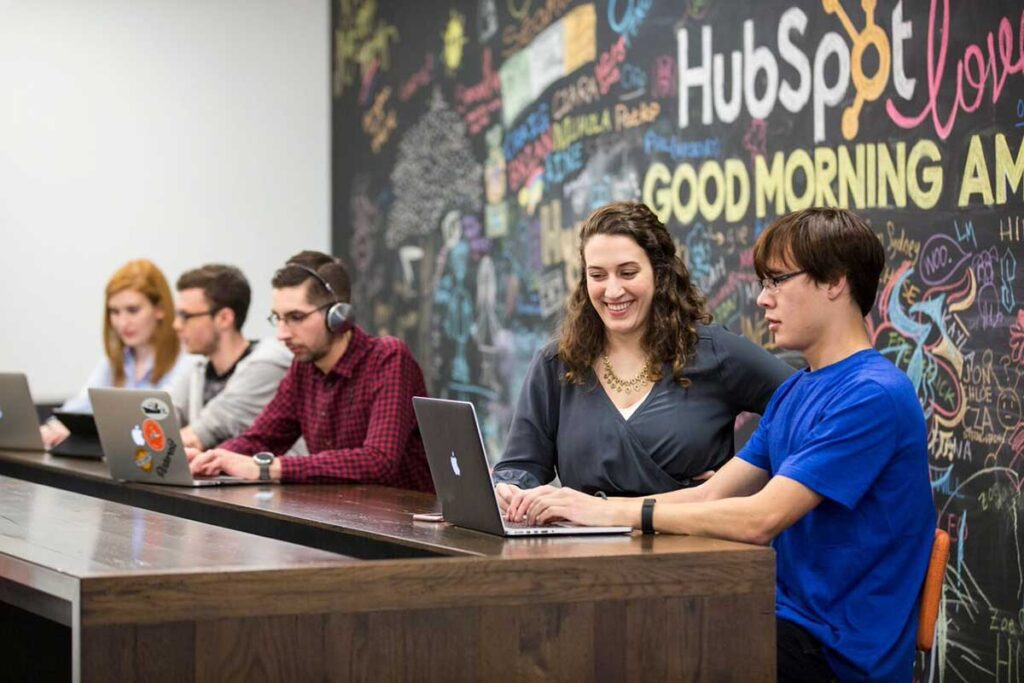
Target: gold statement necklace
(616,383)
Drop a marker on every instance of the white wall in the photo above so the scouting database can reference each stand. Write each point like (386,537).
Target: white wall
(185,131)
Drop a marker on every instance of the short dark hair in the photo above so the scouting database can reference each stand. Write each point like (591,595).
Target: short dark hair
(223,286)
(827,244)
(327,267)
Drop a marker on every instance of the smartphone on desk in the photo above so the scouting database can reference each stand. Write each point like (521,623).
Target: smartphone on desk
(428,517)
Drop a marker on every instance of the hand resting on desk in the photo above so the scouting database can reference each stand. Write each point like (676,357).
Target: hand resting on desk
(220,461)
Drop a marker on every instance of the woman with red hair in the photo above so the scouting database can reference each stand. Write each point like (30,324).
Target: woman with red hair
(142,350)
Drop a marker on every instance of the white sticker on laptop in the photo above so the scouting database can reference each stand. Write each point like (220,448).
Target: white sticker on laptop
(155,408)
(137,437)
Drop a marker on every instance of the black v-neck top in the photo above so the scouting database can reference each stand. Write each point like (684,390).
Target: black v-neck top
(577,433)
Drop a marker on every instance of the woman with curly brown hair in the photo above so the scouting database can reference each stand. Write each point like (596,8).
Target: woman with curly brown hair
(640,392)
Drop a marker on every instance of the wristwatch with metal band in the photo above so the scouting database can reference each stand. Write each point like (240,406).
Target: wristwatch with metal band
(264,459)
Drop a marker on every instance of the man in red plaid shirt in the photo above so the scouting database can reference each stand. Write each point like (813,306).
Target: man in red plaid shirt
(349,395)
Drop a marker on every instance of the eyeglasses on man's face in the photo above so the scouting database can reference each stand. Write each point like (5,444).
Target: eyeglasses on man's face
(293,318)
(772,283)
(185,316)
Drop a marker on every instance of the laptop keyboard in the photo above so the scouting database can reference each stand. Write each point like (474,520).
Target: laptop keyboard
(525,525)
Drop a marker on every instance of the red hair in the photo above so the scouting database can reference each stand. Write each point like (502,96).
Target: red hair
(144,277)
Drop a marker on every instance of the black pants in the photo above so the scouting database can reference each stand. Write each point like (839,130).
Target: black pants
(798,655)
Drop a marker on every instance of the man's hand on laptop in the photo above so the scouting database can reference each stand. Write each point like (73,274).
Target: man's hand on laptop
(220,461)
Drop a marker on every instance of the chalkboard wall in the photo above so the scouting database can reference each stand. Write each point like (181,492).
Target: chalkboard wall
(471,136)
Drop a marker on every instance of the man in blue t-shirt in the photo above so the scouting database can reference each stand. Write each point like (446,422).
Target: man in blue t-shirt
(835,477)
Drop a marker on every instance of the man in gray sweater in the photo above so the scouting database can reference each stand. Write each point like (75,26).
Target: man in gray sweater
(235,378)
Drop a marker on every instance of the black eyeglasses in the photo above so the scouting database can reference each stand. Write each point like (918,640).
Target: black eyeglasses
(772,282)
(185,317)
(292,318)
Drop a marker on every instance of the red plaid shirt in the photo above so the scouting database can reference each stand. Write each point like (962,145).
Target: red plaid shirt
(357,419)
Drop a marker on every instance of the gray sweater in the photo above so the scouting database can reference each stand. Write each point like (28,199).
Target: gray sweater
(251,386)
(577,432)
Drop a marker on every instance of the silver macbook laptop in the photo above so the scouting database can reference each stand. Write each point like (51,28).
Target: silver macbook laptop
(19,423)
(140,436)
(458,465)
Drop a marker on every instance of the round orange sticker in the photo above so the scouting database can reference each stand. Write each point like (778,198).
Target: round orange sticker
(154,435)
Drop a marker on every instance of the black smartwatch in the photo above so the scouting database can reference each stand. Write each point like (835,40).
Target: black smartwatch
(647,516)
(264,459)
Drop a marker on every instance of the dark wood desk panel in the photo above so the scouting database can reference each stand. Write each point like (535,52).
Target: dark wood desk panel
(250,508)
(54,544)
(534,609)
(375,514)
(90,538)
(679,616)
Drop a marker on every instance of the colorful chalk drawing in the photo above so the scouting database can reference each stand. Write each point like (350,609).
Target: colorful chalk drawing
(471,138)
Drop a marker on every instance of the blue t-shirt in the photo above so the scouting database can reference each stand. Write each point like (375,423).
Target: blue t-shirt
(851,570)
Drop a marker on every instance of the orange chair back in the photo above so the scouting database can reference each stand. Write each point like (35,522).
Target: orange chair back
(931,593)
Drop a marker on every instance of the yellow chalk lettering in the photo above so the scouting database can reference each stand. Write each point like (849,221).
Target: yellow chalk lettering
(660,199)
(976,180)
(769,184)
(851,177)
(684,212)
(799,160)
(737,202)
(931,174)
(891,175)
(824,174)
(1009,171)
(711,171)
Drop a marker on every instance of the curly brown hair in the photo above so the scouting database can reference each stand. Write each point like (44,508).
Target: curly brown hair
(676,307)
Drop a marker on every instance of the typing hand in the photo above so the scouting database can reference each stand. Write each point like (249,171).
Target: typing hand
(556,504)
(219,461)
(505,492)
(520,501)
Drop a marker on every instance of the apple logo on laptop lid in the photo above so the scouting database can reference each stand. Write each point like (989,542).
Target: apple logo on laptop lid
(455,466)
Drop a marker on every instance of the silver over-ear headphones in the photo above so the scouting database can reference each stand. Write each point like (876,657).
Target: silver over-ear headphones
(338,313)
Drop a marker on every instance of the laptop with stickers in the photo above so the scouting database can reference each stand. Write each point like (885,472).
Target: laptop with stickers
(458,465)
(142,441)
(19,423)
